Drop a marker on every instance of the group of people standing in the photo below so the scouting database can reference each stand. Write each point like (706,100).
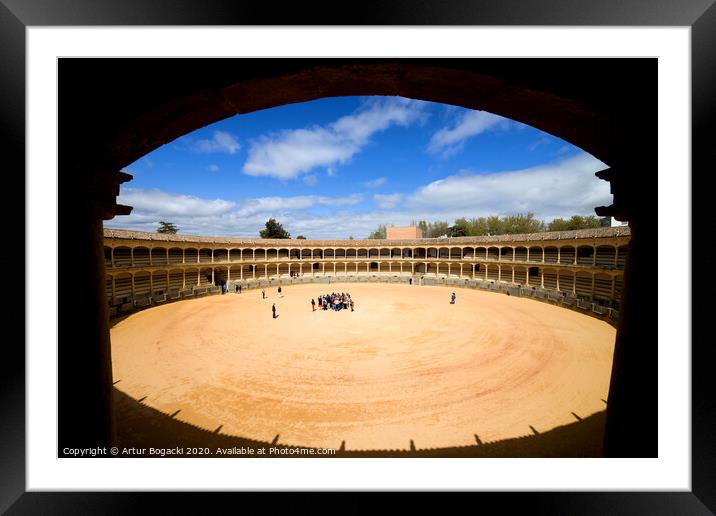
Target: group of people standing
(334,301)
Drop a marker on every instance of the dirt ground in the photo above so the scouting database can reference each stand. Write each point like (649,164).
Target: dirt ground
(405,366)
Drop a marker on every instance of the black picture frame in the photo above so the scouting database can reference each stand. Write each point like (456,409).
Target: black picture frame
(700,15)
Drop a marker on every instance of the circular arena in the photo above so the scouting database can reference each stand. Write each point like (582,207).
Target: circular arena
(526,348)
(405,366)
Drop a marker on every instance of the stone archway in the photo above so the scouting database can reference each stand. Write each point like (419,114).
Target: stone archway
(613,120)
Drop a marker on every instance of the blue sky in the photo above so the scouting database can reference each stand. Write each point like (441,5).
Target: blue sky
(339,167)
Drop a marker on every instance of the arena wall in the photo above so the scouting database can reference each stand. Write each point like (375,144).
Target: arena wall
(580,269)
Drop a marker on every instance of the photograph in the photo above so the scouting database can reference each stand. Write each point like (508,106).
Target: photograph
(361,258)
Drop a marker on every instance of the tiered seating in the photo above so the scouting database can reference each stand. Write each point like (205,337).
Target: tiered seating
(550,255)
(602,286)
(566,281)
(585,255)
(550,279)
(584,284)
(566,255)
(535,254)
(521,275)
(605,256)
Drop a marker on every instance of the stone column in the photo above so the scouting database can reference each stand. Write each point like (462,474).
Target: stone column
(574,283)
(614,286)
(85,392)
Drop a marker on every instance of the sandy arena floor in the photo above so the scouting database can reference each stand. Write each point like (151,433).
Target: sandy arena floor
(406,365)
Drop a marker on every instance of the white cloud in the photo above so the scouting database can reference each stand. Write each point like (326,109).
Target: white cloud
(221,141)
(558,189)
(330,172)
(164,203)
(269,205)
(387,201)
(542,140)
(375,183)
(349,200)
(219,217)
(213,168)
(310,180)
(449,140)
(290,153)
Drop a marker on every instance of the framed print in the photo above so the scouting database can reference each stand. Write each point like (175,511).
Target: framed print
(99,100)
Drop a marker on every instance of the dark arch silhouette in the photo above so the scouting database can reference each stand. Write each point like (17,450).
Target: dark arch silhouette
(113,111)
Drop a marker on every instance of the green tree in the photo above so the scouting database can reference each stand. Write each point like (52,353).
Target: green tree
(483,226)
(300,237)
(462,227)
(274,229)
(520,224)
(438,229)
(378,234)
(574,222)
(423,228)
(167,227)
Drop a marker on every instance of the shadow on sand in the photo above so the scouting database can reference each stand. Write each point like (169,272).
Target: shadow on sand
(141,426)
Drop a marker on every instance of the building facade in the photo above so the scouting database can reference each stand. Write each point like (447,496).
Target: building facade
(403,233)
